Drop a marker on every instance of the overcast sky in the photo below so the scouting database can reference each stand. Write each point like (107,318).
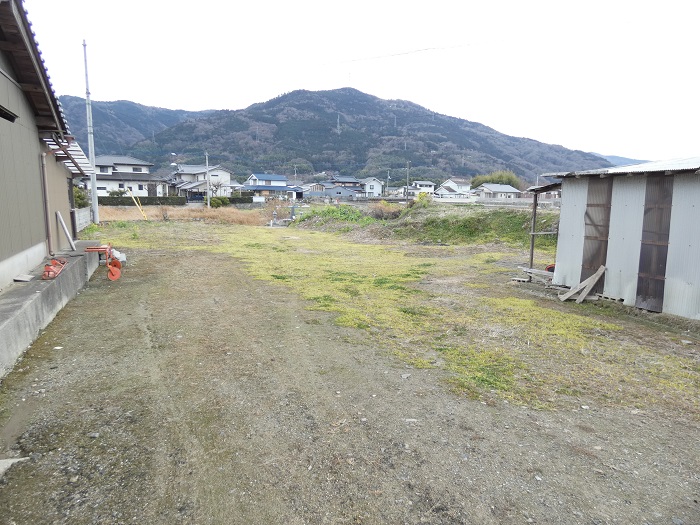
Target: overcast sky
(615,77)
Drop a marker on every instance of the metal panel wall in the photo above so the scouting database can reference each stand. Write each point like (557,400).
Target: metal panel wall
(626,216)
(682,289)
(574,195)
(651,281)
(597,227)
(21,208)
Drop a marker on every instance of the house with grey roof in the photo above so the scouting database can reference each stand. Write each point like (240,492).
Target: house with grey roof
(372,187)
(270,185)
(454,188)
(192,180)
(496,191)
(127,174)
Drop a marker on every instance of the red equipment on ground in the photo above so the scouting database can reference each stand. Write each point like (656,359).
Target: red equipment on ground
(52,269)
(113,264)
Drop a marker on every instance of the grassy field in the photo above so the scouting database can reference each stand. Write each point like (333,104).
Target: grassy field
(451,306)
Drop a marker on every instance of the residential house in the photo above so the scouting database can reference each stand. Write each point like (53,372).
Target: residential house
(191,180)
(637,221)
(372,187)
(267,185)
(338,192)
(453,188)
(496,191)
(420,186)
(128,174)
(39,159)
(346,181)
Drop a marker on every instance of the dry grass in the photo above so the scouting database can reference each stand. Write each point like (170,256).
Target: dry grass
(447,307)
(227,215)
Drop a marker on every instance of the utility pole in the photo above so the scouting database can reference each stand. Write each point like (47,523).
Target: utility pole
(387,182)
(91,143)
(338,123)
(408,167)
(206,159)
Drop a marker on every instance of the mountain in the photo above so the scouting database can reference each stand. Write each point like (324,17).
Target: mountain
(119,124)
(342,130)
(620,161)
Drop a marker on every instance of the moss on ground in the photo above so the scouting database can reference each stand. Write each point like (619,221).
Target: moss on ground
(489,341)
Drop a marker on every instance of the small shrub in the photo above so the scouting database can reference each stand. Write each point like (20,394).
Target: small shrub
(80,197)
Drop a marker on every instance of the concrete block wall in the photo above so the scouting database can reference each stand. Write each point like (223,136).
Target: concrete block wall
(27,308)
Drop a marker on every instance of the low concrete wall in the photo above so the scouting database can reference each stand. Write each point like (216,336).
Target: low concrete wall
(27,308)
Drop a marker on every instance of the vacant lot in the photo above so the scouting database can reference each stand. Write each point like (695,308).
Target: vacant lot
(241,374)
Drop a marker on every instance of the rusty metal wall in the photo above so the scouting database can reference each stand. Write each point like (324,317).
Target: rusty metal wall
(654,246)
(682,289)
(574,196)
(626,216)
(596,229)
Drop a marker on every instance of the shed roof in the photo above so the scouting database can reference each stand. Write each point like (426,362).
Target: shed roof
(657,166)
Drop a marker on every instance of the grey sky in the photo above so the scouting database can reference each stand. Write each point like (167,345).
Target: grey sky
(615,77)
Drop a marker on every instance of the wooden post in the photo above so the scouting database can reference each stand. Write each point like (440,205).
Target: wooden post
(532,230)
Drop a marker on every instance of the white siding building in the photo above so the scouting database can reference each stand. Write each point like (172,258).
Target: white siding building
(640,223)
(190,180)
(120,172)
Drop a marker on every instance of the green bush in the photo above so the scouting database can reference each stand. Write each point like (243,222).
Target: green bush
(218,202)
(80,197)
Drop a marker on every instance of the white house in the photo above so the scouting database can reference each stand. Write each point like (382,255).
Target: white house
(420,186)
(268,185)
(454,189)
(496,191)
(121,172)
(190,180)
(372,186)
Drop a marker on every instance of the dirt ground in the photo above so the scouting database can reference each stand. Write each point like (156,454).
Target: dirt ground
(187,392)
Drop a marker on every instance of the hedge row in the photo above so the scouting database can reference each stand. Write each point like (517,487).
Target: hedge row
(160,201)
(145,201)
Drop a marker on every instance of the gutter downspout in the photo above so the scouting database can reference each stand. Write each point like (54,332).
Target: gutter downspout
(45,191)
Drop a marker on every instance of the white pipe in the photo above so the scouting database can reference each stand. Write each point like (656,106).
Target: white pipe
(45,191)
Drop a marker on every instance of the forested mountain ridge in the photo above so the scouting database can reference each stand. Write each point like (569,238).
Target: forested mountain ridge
(342,130)
(119,124)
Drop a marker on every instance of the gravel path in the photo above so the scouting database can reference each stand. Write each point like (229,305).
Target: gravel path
(187,392)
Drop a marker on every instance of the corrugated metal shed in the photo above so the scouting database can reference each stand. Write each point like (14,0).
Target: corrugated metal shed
(626,215)
(657,166)
(682,291)
(567,270)
(653,247)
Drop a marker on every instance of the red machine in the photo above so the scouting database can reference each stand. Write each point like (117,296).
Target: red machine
(113,264)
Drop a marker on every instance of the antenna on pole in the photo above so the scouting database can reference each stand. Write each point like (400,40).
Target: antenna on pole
(91,143)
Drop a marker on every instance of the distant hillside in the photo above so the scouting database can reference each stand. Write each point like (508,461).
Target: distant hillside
(120,124)
(620,161)
(346,131)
